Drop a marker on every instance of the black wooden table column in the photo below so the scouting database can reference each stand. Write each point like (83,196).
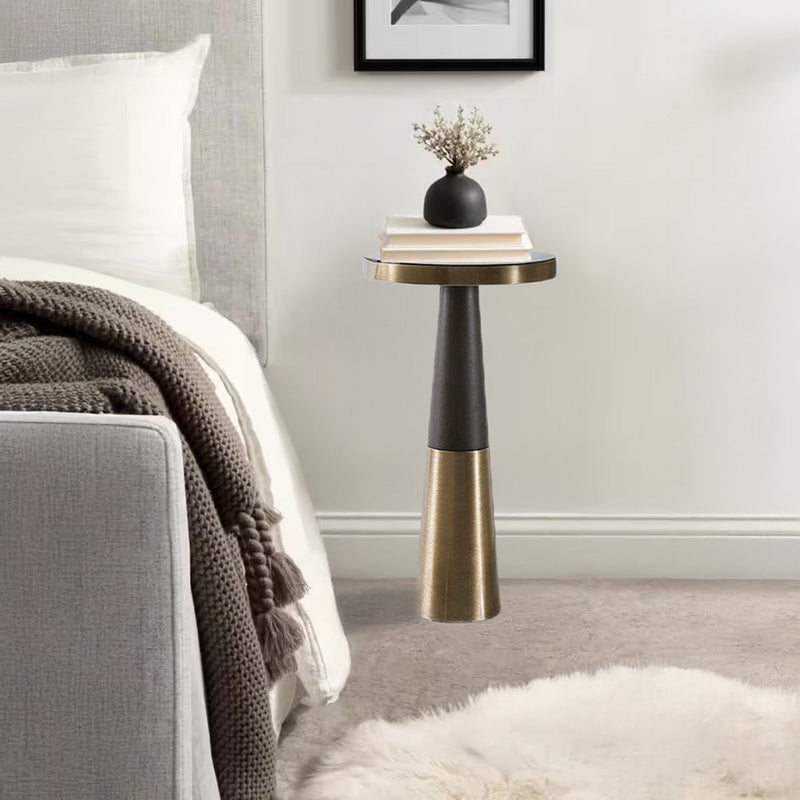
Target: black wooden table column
(458,565)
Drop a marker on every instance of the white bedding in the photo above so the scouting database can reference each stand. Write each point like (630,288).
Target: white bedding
(95,155)
(230,361)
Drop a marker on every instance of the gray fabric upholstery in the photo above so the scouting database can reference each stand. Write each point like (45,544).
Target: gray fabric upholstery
(100,688)
(227,124)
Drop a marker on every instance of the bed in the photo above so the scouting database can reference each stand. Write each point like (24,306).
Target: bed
(221,314)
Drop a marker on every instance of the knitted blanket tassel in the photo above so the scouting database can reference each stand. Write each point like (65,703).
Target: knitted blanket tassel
(273,581)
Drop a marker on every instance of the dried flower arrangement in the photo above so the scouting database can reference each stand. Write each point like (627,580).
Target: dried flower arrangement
(462,141)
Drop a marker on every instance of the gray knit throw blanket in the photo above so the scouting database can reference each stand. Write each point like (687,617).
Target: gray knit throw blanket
(74,348)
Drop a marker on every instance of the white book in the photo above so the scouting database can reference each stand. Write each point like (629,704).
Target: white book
(444,255)
(415,232)
(458,255)
(504,256)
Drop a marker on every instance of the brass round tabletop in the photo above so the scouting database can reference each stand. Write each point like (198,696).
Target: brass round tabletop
(539,267)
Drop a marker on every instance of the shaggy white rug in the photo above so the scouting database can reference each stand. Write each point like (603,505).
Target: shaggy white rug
(658,733)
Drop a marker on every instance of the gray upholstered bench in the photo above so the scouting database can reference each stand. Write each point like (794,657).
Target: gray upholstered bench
(100,682)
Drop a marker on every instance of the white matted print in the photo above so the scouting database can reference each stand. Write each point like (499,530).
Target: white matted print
(449,12)
(449,34)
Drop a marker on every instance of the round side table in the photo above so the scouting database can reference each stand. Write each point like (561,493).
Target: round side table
(458,565)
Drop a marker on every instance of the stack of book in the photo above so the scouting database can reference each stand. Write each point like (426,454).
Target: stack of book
(497,240)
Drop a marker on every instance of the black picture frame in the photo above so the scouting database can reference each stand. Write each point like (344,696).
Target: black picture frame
(364,64)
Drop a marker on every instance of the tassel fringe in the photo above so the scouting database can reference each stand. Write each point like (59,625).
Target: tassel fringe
(280,636)
(276,669)
(288,583)
(273,580)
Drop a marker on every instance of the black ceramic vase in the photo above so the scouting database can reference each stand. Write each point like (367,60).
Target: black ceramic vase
(454,201)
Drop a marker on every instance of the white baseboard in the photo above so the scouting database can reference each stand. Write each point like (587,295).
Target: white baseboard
(580,546)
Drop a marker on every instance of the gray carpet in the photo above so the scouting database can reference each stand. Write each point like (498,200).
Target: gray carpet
(745,629)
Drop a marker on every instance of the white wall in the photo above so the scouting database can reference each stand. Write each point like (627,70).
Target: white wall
(659,157)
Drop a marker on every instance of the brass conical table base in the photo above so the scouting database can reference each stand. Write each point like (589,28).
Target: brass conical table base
(458,569)
(458,566)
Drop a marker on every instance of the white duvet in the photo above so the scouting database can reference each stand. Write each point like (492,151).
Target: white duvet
(234,368)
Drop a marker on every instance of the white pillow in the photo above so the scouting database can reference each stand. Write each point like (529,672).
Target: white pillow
(95,164)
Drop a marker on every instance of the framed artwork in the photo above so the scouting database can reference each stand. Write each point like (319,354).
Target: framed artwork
(449,34)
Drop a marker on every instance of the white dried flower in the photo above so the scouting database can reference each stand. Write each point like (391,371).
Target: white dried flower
(463,142)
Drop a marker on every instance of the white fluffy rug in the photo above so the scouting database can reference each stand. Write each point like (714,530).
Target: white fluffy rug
(621,734)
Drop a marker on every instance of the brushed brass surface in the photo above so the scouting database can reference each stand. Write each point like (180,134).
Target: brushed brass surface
(541,267)
(458,566)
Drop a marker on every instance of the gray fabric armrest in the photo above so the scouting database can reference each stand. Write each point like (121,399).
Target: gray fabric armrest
(99,660)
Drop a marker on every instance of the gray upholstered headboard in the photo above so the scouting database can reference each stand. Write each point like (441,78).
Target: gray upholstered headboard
(227,124)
